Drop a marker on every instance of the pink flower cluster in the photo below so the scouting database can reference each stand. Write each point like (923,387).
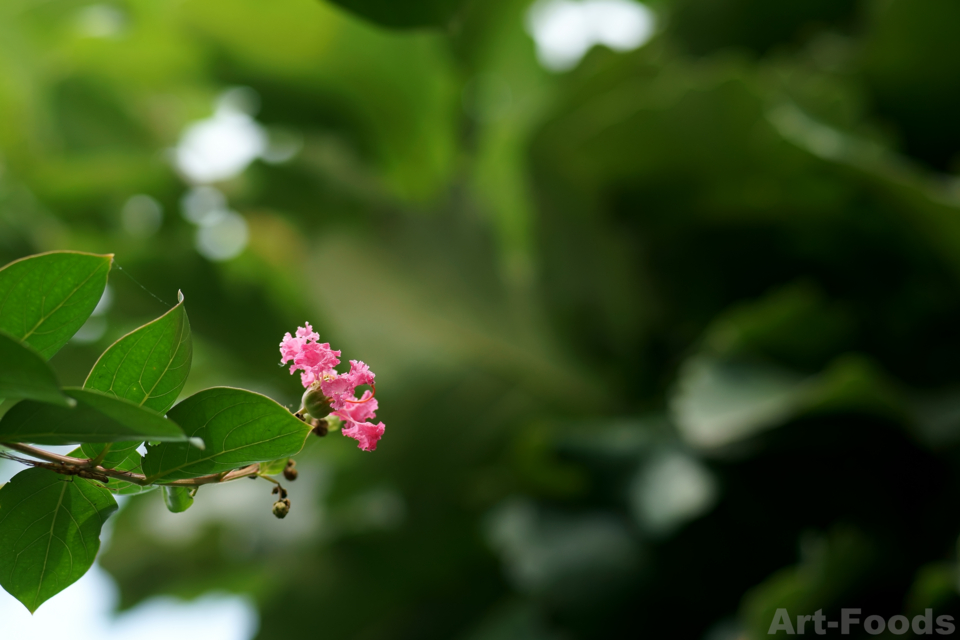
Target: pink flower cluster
(316,362)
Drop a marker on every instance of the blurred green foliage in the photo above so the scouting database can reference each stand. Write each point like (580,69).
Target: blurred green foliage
(663,343)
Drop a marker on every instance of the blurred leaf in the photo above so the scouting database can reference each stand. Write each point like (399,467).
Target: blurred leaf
(854,384)
(935,586)
(239,428)
(718,402)
(178,499)
(25,374)
(415,13)
(274,467)
(95,418)
(45,299)
(148,366)
(50,533)
(833,567)
(794,327)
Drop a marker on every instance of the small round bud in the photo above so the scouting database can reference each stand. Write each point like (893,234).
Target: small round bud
(315,403)
(291,473)
(281,508)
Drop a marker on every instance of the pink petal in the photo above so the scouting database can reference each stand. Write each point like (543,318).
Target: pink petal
(360,373)
(290,347)
(313,359)
(367,435)
(307,333)
(361,410)
(339,389)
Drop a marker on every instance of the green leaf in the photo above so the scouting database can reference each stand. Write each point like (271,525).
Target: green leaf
(148,366)
(178,499)
(45,299)
(96,418)
(25,374)
(239,428)
(274,467)
(134,463)
(413,13)
(117,452)
(49,533)
(121,458)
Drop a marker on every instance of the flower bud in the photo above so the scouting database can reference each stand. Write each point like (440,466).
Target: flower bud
(281,508)
(291,473)
(315,403)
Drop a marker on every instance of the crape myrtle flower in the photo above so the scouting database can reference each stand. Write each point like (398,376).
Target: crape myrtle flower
(329,393)
(313,359)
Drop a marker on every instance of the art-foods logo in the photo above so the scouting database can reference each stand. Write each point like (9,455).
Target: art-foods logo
(850,619)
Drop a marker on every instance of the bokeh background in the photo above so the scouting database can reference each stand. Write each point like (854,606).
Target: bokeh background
(663,300)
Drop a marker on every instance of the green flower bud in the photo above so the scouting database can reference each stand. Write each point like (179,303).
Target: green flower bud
(281,508)
(315,403)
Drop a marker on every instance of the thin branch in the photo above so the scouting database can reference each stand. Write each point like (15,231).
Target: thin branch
(45,455)
(135,478)
(213,478)
(82,463)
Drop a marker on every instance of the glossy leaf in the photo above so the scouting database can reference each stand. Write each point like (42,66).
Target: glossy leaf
(178,499)
(49,532)
(96,418)
(239,428)
(45,299)
(148,366)
(25,374)
(416,13)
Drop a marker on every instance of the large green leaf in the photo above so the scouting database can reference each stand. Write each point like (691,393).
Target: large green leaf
(96,418)
(45,299)
(413,13)
(148,366)
(25,374)
(49,533)
(239,428)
